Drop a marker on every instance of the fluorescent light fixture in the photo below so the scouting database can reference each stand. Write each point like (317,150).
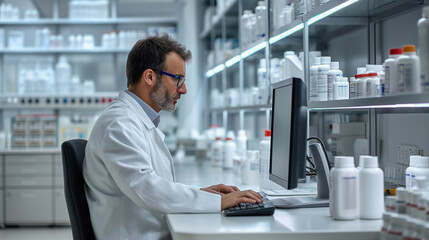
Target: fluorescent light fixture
(286,33)
(232,61)
(213,71)
(254,49)
(401,105)
(330,11)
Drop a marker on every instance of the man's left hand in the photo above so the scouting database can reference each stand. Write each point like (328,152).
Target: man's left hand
(220,189)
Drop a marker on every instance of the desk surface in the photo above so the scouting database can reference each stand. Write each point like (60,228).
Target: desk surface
(310,223)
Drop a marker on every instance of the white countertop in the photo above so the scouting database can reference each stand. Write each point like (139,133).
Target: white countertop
(304,223)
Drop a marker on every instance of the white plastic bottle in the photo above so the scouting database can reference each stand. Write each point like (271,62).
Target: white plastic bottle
(313,80)
(241,142)
(419,166)
(401,194)
(341,88)
(331,191)
(397,227)
(291,66)
(264,153)
(352,88)
(333,73)
(391,72)
(386,225)
(262,82)
(322,78)
(245,38)
(373,85)
(217,153)
(361,85)
(261,13)
(344,189)
(63,75)
(409,71)
(423,28)
(250,168)
(371,189)
(229,148)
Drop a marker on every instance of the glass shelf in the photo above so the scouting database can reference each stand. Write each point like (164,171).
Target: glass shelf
(252,108)
(63,50)
(66,21)
(398,101)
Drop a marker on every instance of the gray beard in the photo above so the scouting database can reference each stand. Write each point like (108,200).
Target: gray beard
(161,98)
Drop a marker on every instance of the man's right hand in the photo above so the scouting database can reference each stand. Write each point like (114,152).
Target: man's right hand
(234,198)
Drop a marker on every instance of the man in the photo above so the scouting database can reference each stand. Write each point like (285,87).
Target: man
(128,168)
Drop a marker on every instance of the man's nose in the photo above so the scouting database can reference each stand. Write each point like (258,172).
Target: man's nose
(182,89)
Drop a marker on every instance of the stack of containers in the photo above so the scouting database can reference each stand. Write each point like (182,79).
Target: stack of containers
(356,192)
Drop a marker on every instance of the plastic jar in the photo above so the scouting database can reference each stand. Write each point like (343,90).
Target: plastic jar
(391,71)
(409,71)
(344,189)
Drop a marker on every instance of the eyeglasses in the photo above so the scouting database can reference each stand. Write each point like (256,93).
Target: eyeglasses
(180,79)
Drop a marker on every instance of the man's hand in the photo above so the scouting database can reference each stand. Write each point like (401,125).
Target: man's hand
(220,189)
(234,198)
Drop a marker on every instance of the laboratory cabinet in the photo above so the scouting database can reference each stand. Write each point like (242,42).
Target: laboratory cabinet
(352,33)
(68,63)
(33,188)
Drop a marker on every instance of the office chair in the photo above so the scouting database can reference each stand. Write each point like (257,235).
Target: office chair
(73,153)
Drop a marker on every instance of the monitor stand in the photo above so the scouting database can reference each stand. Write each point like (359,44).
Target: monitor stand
(322,176)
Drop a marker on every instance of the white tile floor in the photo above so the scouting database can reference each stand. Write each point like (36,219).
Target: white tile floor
(36,233)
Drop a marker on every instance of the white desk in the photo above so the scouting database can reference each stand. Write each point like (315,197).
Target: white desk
(311,223)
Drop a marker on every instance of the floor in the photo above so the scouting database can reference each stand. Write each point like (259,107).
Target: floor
(36,233)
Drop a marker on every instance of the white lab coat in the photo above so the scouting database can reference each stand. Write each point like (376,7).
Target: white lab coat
(130,177)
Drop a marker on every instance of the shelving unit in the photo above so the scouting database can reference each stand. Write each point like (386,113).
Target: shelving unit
(31,181)
(355,33)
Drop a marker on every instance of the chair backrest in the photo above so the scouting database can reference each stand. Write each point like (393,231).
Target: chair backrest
(73,152)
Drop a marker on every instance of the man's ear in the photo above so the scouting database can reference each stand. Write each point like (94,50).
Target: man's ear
(149,77)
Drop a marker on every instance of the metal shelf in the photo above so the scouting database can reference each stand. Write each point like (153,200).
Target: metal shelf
(253,108)
(399,101)
(53,101)
(66,21)
(63,50)
(216,20)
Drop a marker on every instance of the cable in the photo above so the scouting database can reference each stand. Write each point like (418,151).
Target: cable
(323,148)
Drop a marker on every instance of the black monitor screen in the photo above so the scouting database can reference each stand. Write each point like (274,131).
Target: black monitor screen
(288,132)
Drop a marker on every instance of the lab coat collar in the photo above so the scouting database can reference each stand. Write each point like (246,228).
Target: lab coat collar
(136,107)
(123,96)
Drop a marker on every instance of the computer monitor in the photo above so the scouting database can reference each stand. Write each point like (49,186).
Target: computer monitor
(289,145)
(288,132)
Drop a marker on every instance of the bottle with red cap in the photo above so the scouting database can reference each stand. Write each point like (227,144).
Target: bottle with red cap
(264,153)
(423,27)
(361,85)
(373,85)
(391,71)
(409,71)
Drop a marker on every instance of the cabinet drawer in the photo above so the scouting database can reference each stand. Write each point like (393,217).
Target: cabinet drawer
(58,169)
(28,181)
(58,181)
(28,206)
(1,208)
(61,215)
(24,169)
(1,165)
(28,158)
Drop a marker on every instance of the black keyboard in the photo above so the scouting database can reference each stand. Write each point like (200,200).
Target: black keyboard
(265,208)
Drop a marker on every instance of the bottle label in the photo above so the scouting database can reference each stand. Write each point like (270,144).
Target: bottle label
(386,80)
(349,190)
(313,85)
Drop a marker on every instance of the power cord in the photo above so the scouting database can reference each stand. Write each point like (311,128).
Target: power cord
(323,148)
